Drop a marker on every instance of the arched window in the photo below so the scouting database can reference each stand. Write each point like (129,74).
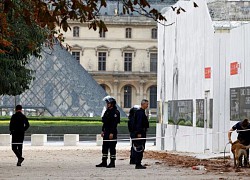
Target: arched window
(103,86)
(153,96)
(127,96)
(76,31)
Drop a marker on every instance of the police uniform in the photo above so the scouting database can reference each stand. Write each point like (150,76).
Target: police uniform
(110,120)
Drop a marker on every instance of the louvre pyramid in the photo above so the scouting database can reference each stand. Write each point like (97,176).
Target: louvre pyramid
(62,87)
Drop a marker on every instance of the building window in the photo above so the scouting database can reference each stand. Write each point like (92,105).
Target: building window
(154,33)
(102,34)
(75,31)
(102,61)
(153,62)
(128,32)
(76,55)
(127,96)
(153,96)
(127,61)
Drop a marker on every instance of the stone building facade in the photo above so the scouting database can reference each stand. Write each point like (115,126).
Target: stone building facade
(124,59)
(229,10)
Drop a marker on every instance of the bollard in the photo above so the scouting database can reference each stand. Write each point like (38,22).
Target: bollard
(5,139)
(99,140)
(71,139)
(38,139)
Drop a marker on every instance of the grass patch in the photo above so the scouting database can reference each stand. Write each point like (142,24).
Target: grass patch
(68,121)
(65,123)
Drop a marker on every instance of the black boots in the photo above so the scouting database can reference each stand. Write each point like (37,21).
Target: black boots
(139,166)
(19,162)
(132,161)
(102,164)
(111,164)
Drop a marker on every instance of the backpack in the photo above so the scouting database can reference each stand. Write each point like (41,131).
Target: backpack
(131,117)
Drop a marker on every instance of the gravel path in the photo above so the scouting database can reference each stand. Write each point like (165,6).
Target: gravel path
(78,162)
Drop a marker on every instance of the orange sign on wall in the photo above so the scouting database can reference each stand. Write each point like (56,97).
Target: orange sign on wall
(234,68)
(207,72)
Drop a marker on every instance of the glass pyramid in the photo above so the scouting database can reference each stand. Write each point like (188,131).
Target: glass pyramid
(62,87)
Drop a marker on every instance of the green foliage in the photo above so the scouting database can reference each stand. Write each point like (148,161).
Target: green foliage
(15,78)
(200,123)
(188,123)
(67,121)
(26,39)
(181,122)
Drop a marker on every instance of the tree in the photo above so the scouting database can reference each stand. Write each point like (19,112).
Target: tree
(19,40)
(51,13)
(25,25)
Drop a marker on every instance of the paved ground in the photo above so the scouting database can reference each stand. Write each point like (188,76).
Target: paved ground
(56,161)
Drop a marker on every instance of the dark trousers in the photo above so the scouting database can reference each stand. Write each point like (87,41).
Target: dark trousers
(109,146)
(17,143)
(246,159)
(132,151)
(139,149)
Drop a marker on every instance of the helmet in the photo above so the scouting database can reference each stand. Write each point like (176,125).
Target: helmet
(109,99)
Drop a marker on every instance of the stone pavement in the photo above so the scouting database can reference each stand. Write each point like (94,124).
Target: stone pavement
(91,145)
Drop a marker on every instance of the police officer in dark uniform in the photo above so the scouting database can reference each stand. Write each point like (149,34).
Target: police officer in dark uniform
(18,125)
(131,119)
(110,120)
(140,127)
(243,130)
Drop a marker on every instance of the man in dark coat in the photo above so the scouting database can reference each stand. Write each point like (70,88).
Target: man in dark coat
(18,125)
(131,119)
(110,119)
(140,127)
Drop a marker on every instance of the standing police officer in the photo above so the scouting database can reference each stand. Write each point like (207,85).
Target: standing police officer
(110,120)
(140,127)
(18,125)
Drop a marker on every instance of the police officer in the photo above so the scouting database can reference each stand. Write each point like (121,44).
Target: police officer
(110,120)
(131,118)
(18,125)
(243,136)
(140,127)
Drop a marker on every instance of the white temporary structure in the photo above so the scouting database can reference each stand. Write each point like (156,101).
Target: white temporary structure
(200,70)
